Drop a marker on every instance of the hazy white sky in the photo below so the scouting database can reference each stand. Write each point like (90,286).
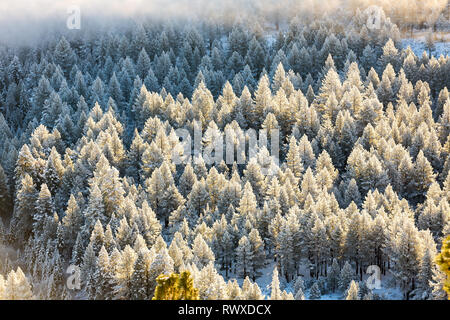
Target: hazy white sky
(27,19)
(43,8)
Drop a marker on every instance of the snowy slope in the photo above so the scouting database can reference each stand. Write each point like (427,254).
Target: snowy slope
(418,47)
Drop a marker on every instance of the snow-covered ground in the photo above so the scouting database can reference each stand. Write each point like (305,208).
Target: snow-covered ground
(418,46)
(263,281)
(388,290)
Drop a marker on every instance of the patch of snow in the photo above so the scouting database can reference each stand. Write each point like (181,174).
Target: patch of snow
(265,279)
(418,47)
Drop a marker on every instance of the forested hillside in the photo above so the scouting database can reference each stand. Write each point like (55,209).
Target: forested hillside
(91,174)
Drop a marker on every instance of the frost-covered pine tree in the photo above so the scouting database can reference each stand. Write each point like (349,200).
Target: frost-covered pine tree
(142,281)
(244,258)
(299,288)
(333,276)
(203,254)
(314,292)
(258,252)
(24,209)
(88,268)
(275,292)
(17,286)
(352,291)
(44,208)
(163,194)
(346,276)
(124,273)
(104,276)
(442,260)
(405,253)
(64,56)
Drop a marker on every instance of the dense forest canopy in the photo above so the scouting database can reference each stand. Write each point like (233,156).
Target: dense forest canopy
(89,129)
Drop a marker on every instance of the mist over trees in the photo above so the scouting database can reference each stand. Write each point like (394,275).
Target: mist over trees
(88,130)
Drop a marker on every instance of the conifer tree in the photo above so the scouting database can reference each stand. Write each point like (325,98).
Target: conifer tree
(346,276)
(142,280)
(64,56)
(244,258)
(203,254)
(333,276)
(104,276)
(405,253)
(25,207)
(88,270)
(443,261)
(44,208)
(124,274)
(314,293)
(175,287)
(353,291)
(258,253)
(17,286)
(275,292)
(163,194)
(5,196)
